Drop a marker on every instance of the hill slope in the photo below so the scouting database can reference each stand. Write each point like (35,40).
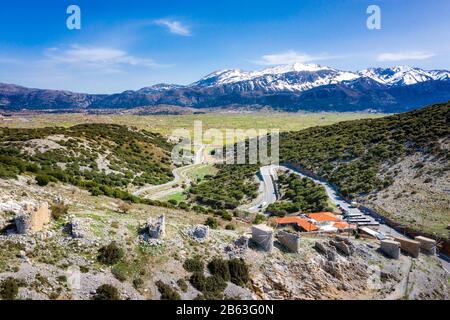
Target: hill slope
(102,158)
(399,164)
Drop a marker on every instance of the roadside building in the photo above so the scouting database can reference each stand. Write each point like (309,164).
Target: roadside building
(298,223)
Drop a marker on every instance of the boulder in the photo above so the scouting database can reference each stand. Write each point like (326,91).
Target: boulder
(79,228)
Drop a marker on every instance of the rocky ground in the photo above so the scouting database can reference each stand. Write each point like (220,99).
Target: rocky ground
(419,195)
(61,262)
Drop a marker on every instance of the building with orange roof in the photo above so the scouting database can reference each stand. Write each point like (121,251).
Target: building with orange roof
(298,222)
(324,216)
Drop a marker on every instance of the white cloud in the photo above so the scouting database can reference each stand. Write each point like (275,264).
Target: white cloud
(96,57)
(407,55)
(289,57)
(174,26)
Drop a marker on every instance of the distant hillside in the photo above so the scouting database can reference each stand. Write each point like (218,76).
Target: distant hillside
(399,165)
(102,158)
(290,88)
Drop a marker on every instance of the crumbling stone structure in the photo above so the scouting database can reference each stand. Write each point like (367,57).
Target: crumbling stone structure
(343,244)
(157,227)
(427,245)
(32,218)
(410,246)
(391,248)
(263,236)
(289,240)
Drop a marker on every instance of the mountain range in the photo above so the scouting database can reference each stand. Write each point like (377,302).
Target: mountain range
(308,87)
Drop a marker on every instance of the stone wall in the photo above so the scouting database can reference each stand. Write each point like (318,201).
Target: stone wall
(32,218)
(410,246)
(427,245)
(289,240)
(157,227)
(391,248)
(263,236)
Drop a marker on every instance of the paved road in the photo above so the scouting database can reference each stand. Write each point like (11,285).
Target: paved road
(267,175)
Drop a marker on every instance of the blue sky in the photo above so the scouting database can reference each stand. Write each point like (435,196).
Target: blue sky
(134,43)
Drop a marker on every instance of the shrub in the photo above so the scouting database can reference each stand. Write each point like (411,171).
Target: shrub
(239,272)
(259,219)
(173,202)
(107,292)
(110,254)
(119,274)
(182,285)
(124,207)
(194,265)
(42,180)
(138,283)
(230,226)
(212,223)
(219,267)
(9,288)
(227,216)
(198,281)
(215,284)
(59,210)
(167,292)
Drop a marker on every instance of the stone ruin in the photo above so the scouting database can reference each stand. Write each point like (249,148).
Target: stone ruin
(343,245)
(199,232)
(157,227)
(410,246)
(263,236)
(32,217)
(427,245)
(391,248)
(238,247)
(289,240)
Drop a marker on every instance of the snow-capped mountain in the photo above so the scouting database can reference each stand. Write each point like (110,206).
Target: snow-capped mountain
(302,77)
(290,88)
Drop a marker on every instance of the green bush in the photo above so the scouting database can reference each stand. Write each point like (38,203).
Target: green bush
(59,210)
(107,292)
(239,272)
(194,265)
(219,267)
(212,223)
(9,288)
(198,281)
(182,285)
(167,292)
(42,180)
(110,254)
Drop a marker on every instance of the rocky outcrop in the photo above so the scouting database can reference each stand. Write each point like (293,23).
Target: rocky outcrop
(237,248)
(343,245)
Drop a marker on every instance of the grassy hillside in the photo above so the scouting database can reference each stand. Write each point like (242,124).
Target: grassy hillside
(397,165)
(352,155)
(102,158)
